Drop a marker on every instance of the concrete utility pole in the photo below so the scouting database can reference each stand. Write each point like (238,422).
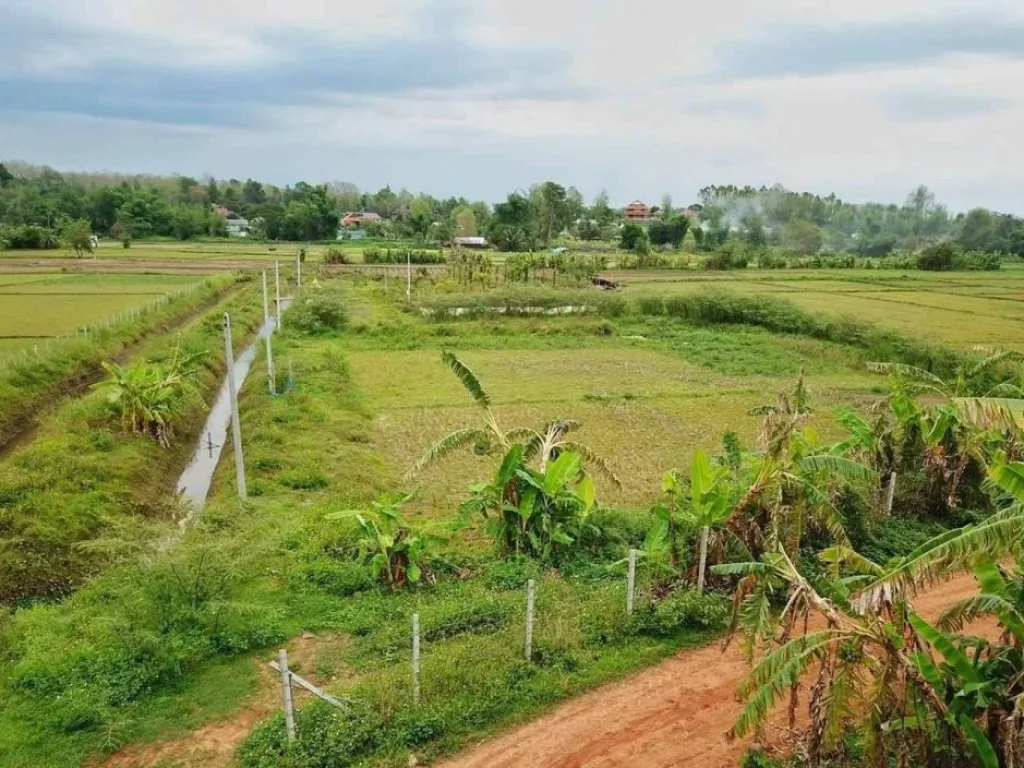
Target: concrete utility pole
(271,380)
(236,428)
(266,300)
(286,693)
(298,271)
(631,581)
(530,600)
(408,278)
(277,289)
(415,659)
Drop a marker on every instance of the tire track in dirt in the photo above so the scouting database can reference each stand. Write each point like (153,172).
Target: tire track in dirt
(673,715)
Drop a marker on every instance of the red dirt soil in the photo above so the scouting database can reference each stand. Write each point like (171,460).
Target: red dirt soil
(673,715)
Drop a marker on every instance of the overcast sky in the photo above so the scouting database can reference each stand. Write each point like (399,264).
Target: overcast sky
(866,98)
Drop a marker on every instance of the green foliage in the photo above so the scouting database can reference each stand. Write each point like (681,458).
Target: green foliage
(937,258)
(318,312)
(634,238)
(335,255)
(397,551)
(682,609)
(538,513)
(151,397)
(734,257)
(76,234)
(401,256)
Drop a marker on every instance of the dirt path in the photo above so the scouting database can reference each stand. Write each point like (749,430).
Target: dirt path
(673,715)
(214,745)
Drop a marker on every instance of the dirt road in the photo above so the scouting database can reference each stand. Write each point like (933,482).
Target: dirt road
(675,714)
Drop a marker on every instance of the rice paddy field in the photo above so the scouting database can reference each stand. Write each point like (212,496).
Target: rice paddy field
(962,309)
(36,307)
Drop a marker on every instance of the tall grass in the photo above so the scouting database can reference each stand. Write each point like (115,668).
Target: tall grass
(781,316)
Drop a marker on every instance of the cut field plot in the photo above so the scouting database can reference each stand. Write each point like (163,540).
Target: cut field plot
(947,325)
(96,285)
(643,411)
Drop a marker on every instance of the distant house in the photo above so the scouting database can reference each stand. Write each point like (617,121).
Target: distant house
(637,211)
(693,211)
(237,227)
(359,218)
(471,242)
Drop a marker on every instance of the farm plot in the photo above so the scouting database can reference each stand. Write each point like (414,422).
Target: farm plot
(960,309)
(37,307)
(641,410)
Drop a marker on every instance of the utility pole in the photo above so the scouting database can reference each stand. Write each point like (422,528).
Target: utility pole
(298,271)
(236,428)
(266,301)
(277,289)
(408,277)
(267,331)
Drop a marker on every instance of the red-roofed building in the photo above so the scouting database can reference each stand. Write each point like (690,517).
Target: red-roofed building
(637,211)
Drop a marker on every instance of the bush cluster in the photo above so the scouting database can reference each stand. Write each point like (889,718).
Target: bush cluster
(319,312)
(402,256)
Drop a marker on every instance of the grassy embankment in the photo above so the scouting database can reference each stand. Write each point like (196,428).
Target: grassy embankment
(151,650)
(82,492)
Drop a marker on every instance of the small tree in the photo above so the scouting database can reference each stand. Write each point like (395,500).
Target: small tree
(76,234)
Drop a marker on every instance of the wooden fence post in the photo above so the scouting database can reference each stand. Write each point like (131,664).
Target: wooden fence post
(286,693)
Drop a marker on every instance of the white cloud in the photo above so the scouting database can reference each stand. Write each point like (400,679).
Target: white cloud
(635,98)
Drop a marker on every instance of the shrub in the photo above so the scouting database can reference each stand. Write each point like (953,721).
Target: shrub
(721,260)
(336,256)
(319,313)
(402,256)
(682,609)
(938,257)
(512,573)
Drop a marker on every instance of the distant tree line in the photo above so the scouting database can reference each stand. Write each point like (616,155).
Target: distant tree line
(38,205)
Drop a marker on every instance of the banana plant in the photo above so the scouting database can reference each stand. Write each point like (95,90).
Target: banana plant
(152,396)
(397,551)
(535,513)
(542,445)
(703,504)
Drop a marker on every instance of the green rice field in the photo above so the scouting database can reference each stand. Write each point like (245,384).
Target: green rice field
(37,307)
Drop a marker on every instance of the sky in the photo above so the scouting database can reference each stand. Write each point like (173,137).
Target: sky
(866,99)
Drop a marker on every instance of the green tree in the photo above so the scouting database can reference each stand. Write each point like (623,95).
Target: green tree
(803,237)
(551,203)
(77,235)
(465,221)
(513,226)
